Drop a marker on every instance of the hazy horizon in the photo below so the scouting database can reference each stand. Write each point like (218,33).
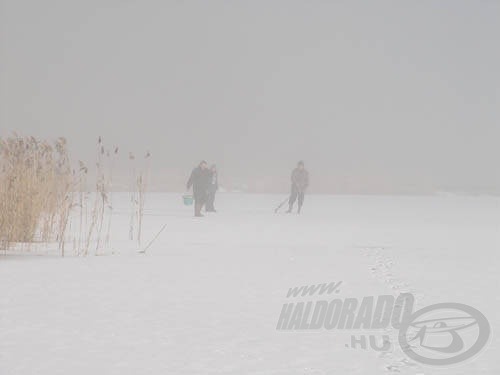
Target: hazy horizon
(375,97)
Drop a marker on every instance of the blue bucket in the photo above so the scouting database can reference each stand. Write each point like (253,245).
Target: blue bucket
(188,199)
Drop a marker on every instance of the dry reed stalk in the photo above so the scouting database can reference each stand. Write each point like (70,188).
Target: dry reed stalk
(110,188)
(133,199)
(141,191)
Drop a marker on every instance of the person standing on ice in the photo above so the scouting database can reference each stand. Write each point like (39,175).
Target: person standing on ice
(213,186)
(300,181)
(199,180)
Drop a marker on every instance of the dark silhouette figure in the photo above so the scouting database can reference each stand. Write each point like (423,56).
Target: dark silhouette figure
(300,181)
(199,180)
(213,186)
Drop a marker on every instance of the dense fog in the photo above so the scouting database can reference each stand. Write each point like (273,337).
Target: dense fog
(375,97)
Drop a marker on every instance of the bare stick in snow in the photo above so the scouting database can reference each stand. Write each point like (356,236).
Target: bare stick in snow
(154,238)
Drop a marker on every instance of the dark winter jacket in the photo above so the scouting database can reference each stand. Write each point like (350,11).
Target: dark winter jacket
(300,179)
(199,179)
(213,184)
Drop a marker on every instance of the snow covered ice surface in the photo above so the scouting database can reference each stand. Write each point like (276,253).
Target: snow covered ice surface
(206,296)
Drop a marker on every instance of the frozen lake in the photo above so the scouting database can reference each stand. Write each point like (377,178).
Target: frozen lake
(206,296)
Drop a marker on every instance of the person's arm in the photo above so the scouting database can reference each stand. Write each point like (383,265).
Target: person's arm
(294,178)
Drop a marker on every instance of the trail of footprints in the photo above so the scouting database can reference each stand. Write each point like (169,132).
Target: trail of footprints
(381,270)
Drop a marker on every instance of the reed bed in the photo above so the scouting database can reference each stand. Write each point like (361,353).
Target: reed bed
(36,191)
(41,196)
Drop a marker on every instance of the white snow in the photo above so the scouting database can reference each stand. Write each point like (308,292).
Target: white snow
(205,297)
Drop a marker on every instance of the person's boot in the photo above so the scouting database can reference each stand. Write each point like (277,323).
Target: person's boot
(289,209)
(298,211)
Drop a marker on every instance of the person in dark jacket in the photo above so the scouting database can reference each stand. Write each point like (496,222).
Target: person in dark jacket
(213,186)
(300,181)
(199,180)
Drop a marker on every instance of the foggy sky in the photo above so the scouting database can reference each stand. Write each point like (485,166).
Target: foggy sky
(373,96)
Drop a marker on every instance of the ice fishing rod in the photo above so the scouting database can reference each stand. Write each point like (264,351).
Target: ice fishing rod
(281,205)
